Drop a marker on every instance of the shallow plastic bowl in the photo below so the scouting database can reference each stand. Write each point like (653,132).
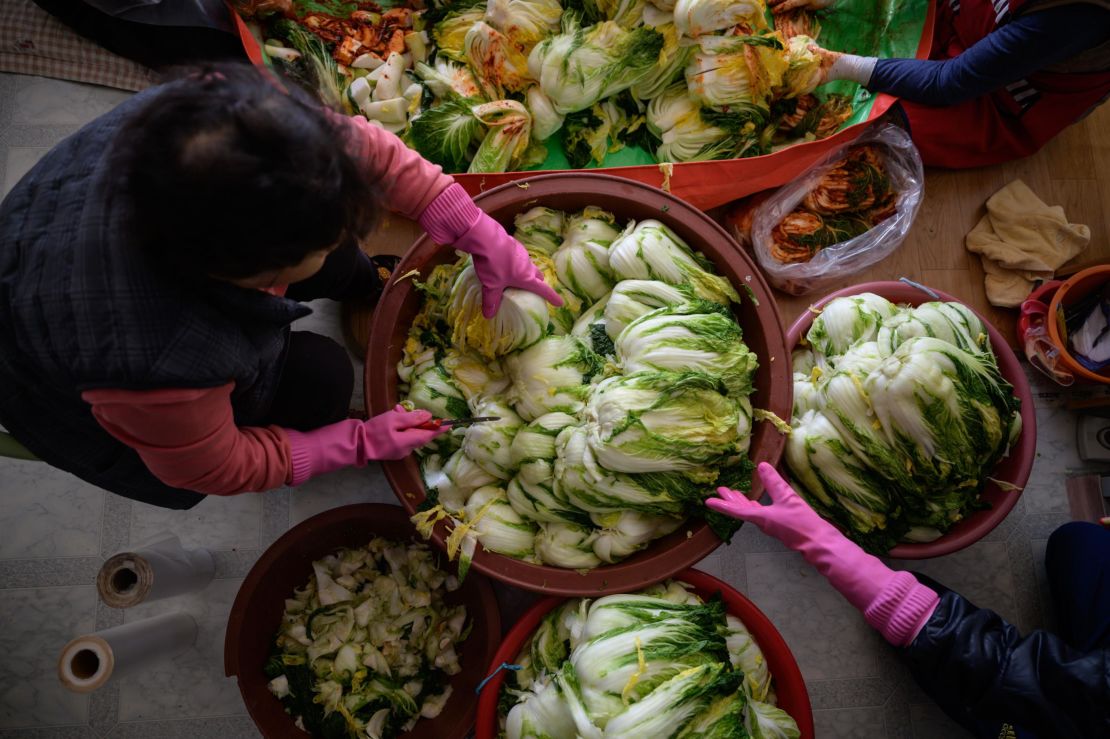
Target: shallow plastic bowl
(1014,469)
(287,564)
(627,200)
(789,686)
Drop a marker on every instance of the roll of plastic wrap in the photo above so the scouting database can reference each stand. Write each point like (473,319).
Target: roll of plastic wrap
(159,570)
(89,662)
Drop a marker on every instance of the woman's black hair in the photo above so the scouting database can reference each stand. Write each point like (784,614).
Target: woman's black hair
(230,174)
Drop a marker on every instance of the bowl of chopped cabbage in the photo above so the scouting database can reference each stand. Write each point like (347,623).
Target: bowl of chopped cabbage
(400,594)
(688,657)
(913,422)
(620,412)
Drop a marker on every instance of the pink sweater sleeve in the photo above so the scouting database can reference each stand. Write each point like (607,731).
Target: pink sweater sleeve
(409,181)
(188,439)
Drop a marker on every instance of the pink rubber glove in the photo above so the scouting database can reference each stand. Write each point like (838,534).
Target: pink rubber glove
(500,261)
(893,602)
(352,443)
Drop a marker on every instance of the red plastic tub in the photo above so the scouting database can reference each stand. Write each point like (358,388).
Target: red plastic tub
(1013,470)
(789,686)
(400,303)
(287,564)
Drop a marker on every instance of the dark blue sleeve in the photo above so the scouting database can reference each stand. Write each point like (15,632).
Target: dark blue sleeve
(980,669)
(1026,45)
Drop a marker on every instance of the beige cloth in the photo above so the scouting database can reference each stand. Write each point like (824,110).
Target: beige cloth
(1020,240)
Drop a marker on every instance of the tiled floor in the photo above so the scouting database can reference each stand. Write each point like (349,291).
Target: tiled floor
(56,531)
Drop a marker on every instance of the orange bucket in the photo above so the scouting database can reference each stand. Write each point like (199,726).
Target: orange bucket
(1073,290)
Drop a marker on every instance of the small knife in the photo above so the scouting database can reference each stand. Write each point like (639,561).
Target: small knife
(437,423)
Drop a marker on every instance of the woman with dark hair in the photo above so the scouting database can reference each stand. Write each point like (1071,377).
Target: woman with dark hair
(150,266)
(1002,79)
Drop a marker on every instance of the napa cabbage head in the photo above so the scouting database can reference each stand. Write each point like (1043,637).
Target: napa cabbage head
(698,336)
(803,67)
(954,323)
(675,119)
(498,527)
(521,321)
(474,376)
(435,390)
(766,721)
(569,545)
(507,139)
(489,444)
(498,64)
(539,229)
(668,68)
(736,71)
(554,374)
(662,422)
(450,32)
(524,22)
(631,299)
(845,321)
(701,17)
(622,534)
(541,714)
(585,64)
(672,704)
(590,487)
(582,260)
(454,480)
(650,250)
(746,656)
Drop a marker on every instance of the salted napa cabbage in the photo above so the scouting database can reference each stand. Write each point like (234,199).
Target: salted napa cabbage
(455,480)
(582,260)
(524,22)
(668,68)
(539,229)
(554,374)
(697,336)
(626,610)
(631,299)
(474,376)
(946,411)
(567,545)
(446,76)
(952,322)
(507,139)
(622,534)
(745,655)
(844,321)
(545,119)
(497,63)
(735,71)
(675,119)
(541,714)
(489,444)
(588,486)
(861,359)
(662,421)
(498,527)
(435,390)
(721,719)
(534,494)
(671,705)
(536,441)
(803,67)
(701,17)
(651,251)
(765,721)
(520,322)
(582,65)
(450,33)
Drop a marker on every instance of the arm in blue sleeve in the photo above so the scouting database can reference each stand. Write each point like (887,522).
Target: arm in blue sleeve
(1026,45)
(977,666)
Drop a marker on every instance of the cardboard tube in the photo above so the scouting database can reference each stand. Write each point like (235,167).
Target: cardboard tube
(160,570)
(89,662)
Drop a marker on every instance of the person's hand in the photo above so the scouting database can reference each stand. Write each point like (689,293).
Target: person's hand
(828,59)
(352,443)
(785,6)
(892,602)
(788,519)
(500,261)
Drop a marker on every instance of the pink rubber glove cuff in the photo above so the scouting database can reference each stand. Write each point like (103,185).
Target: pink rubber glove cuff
(450,215)
(892,602)
(353,443)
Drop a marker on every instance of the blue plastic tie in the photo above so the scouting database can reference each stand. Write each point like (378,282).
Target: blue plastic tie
(927,290)
(503,666)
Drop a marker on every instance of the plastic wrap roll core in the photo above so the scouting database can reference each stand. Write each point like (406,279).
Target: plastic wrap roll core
(89,662)
(159,570)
